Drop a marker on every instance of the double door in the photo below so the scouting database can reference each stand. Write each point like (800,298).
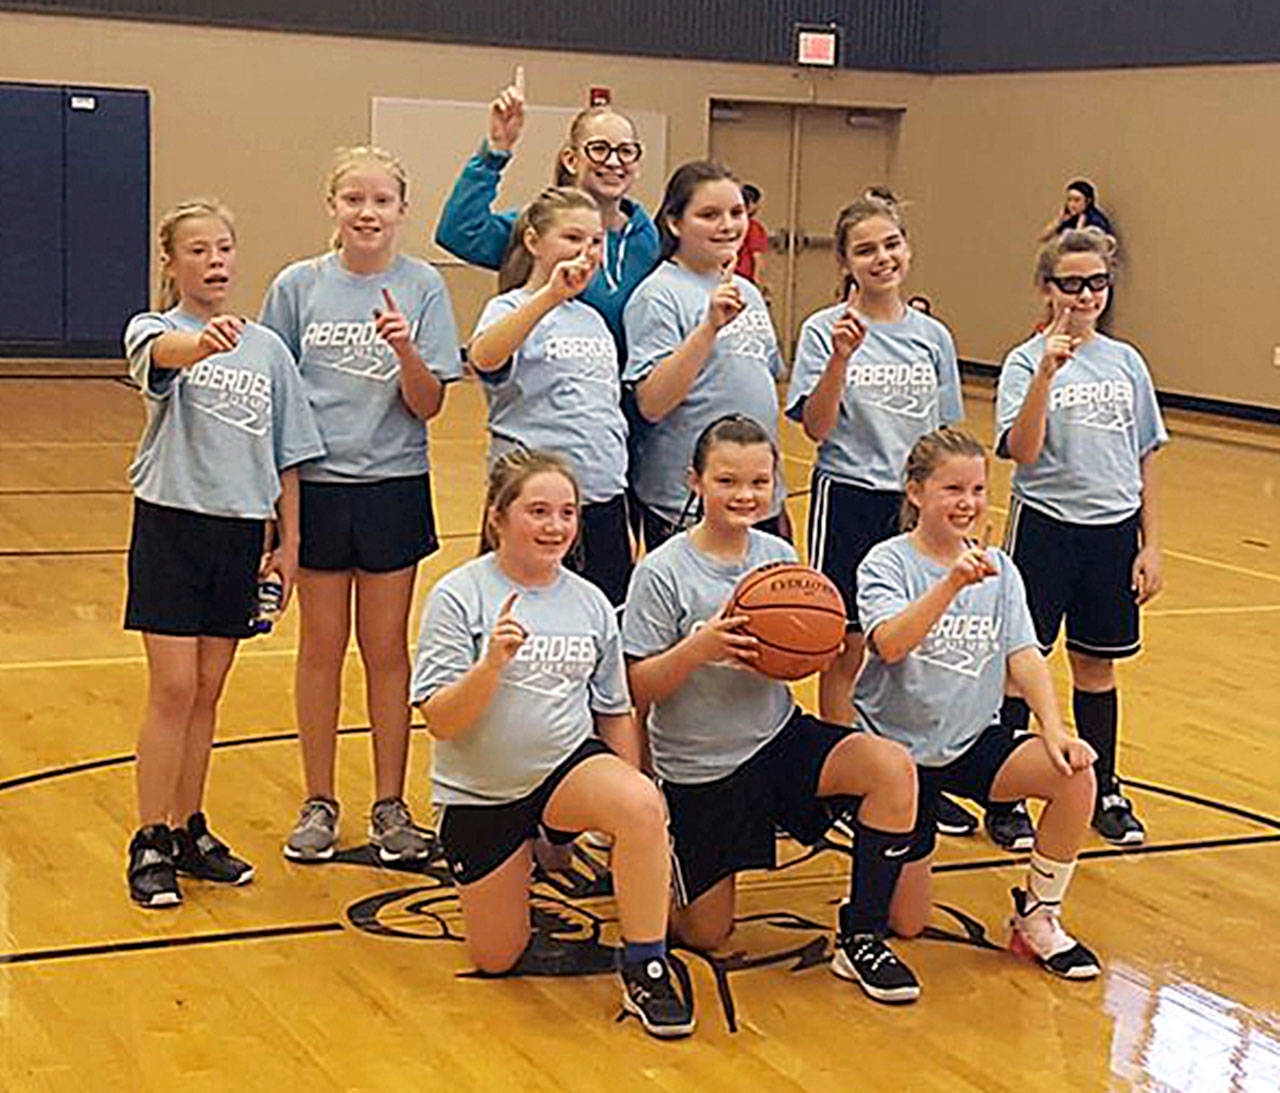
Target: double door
(74,207)
(809,161)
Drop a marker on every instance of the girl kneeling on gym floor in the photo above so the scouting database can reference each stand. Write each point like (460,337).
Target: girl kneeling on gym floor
(735,756)
(947,622)
(519,665)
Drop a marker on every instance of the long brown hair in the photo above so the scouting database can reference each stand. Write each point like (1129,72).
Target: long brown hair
(196,209)
(540,214)
(876,201)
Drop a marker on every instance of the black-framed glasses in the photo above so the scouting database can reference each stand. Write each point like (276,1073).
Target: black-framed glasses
(1073,285)
(627,151)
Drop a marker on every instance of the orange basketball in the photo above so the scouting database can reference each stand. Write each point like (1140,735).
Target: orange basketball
(796,613)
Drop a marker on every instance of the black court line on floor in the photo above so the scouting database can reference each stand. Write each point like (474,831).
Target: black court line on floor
(119,948)
(448,536)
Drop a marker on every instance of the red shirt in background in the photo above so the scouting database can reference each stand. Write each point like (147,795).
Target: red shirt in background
(755,242)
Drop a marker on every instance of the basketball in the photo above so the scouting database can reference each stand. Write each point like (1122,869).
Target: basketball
(795,612)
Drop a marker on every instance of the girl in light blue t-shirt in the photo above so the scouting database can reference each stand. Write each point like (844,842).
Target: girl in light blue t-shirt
(227,426)
(736,756)
(700,344)
(871,377)
(520,679)
(550,372)
(374,335)
(947,623)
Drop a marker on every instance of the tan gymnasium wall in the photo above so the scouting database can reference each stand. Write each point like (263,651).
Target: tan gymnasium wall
(1179,155)
(1184,164)
(255,116)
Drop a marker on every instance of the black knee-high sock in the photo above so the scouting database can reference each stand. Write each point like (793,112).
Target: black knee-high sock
(877,862)
(1097,719)
(1015,713)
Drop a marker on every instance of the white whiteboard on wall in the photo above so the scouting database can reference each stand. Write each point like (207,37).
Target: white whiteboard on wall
(434,137)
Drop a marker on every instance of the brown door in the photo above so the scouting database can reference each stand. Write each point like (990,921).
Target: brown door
(809,161)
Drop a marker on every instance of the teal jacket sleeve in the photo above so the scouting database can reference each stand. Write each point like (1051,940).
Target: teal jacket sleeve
(468,227)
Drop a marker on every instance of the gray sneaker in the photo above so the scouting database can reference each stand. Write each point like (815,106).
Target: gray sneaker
(393,832)
(315,834)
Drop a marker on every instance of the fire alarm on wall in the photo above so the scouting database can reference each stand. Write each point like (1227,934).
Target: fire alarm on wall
(600,96)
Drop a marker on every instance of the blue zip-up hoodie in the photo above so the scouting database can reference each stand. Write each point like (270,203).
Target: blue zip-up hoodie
(470,229)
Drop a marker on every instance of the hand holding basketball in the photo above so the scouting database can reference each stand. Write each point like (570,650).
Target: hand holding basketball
(726,302)
(797,616)
(506,637)
(221,334)
(391,324)
(719,639)
(506,115)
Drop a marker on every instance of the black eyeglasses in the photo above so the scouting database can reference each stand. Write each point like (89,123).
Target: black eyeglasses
(1074,285)
(599,151)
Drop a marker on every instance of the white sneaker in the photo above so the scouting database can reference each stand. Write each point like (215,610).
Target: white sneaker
(1036,933)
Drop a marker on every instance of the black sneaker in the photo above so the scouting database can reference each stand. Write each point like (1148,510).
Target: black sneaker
(1114,820)
(953,819)
(153,882)
(648,993)
(867,960)
(1037,934)
(198,854)
(1010,827)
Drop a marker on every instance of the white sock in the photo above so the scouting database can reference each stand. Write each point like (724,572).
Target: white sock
(1047,879)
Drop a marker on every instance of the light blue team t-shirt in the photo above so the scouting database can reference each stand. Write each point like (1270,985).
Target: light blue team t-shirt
(1102,421)
(569,667)
(944,693)
(560,392)
(325,314)
(219,433)
(901,383)
(738,377)
(723,713)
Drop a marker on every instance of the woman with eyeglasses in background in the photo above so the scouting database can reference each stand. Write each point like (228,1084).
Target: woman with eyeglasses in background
(601,155)
(1077,412)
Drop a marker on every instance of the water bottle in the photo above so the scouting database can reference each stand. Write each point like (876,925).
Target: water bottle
(270,600)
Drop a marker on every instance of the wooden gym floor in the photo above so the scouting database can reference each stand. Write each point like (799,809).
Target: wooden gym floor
(351,975)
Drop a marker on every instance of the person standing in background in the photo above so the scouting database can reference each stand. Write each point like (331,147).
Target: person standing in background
(756,242)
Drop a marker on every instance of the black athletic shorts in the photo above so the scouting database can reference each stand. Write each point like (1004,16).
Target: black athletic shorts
(845,522)
(658,529)
(603,551)
(378,527)
(969,775)
(192,574)
(479,838)
(1083,572)
(722,827)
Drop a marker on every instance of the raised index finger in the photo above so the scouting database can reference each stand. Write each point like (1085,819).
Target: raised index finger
(505,610)
(519,81)
(390,300)
(726,274)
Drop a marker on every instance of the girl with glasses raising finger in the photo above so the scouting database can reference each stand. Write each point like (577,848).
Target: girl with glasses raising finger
(601,154)
(1077,413)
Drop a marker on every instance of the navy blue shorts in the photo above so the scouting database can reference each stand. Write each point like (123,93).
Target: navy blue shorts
(845,522)
(1080,572)
(192,575)
(722,827)
(377,527)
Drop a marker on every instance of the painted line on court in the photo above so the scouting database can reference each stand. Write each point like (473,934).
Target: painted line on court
(114,948)
(1236,609)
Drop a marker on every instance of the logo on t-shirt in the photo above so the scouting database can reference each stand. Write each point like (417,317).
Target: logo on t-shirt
(552,664)
(587,358)
(905,388)
(961,642)
(749,336)
(354,348)
(239,397)
(1098,404)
